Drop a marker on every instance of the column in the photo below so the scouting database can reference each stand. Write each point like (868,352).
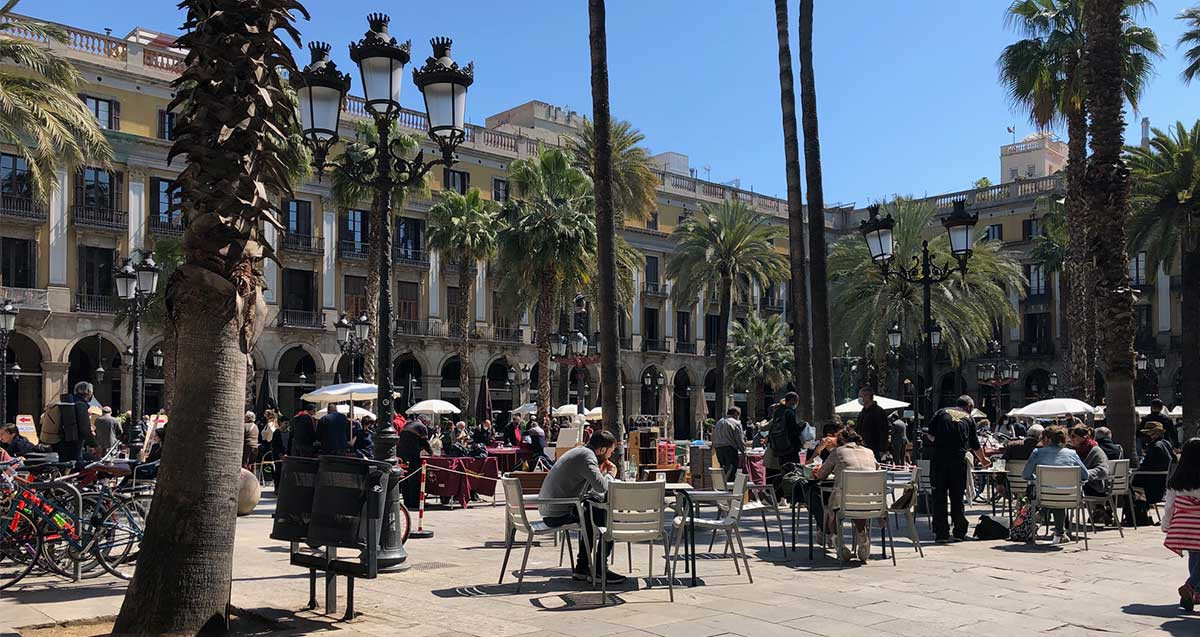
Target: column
(481,292)
(137,208)
(526,331)
(431,387)
(270,267)
(699,329)
(272,376)
(127,387)
(636,325)
(54,380)
(328,264)
(1162,291)
(435,285)
(756,295)
(58,233)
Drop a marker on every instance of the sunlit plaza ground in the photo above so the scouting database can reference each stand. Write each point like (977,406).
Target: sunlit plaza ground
(1120,586)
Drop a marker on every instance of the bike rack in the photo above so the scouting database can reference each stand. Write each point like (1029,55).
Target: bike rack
(76,572)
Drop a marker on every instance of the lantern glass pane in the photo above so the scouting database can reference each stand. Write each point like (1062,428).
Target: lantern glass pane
(362,330)
(147,281)
(320,108)
(446,104)
(382,78)
(343,332)
(126,285)
(960,239)
(935,337)
(7,320)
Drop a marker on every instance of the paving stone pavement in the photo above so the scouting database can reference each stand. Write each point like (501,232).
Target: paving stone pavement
(1119,586)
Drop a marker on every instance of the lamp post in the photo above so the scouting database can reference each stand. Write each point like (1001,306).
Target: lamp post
(8,321)
(996,372)
(924,271)
(352,338)
(1053,384)
(136,285)
(322,90)
(575,352)
(845,362)
(654,381)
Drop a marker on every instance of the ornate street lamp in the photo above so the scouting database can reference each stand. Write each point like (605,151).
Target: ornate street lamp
(8,322)
(136,284)
(893,336)
(352,339)
(156,358)
(1160,362)
(924,271)
(1141,362)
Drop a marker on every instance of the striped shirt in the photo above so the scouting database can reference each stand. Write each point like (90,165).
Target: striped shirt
(1181,521)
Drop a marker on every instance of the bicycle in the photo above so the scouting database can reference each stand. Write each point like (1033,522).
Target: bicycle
(108,534)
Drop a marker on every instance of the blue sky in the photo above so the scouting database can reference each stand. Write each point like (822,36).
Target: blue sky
(907,91)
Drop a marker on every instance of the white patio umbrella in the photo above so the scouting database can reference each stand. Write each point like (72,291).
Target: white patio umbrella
(359,412)
(1055,407)
(593,414)
(342,392)
(855,406)
(565,410)
(526,409)
(1177,412)
(433,407)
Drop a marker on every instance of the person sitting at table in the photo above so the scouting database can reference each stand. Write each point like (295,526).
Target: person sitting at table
(827,443)
(1105,441)
(1054,452)
(582,472)
(484,435)
(1093,458)
(1150,477)
(849,455)
(1023,448)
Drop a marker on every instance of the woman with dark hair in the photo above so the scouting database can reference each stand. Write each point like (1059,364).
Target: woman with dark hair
(1093,458)
(1181,519)
(850,455)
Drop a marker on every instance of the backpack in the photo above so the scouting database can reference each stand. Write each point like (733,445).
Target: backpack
(1024,526)
(777,435)
(990,528)
(790,480)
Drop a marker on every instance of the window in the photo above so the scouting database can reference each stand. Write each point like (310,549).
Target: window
(456,305)
(106,112)
(1144,324)
(711,321)
(407,300)
(1037,328)
(650,323)
(298,217)
(651,269)
(165,201)
(683,327)
(499,189)
(354,296)
(1137,269)
(1037,279)
(995,232)
(299,290)
(18,260)
(652,222)
(1012,173)
(95,271)
(457,180)
(1031,228)
(98,189)
(1030,170)
(501,311)
(354,231)
(166,124)
(408,238)
(15,181)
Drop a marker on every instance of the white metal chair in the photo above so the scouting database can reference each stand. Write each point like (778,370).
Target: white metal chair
(730,518)
(635,516)
(516,519)
(1062,488)
(925,488)
(864,497)
(1016,484)
(907,479)
(1118,487)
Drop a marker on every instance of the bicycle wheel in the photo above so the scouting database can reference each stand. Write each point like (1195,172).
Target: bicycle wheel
(20,546)
(119,533)
(58,556)
(405,521)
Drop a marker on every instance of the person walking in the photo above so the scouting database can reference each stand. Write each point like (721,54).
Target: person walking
(1181,519)
(899,440)
(250,442)
(872,423)
(729,442)
(784,433)
(108,430)
(76,423)
(951,435)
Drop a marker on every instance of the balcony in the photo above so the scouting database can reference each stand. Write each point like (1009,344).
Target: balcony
(405,257)
(710,348)
(626,342)
(303,244)
(655,345)
(161,227)
(26,298)
(773,306)
(657,289)
(352,250)
(1176,342)
(1035,349)
(682,347)
(22,210)
(95,303)
(505,334)
(100,218)
(413,327)
(308,319)
(453,268)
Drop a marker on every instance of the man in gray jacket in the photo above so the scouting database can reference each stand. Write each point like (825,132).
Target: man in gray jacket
(578,473)
(108,431)
(729,442)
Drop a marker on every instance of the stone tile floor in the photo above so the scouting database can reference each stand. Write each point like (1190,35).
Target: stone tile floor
(1119,586)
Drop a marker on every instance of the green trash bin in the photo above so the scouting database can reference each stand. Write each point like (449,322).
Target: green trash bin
(294,499)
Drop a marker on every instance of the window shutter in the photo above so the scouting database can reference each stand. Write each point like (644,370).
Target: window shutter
(155,200)
(118,195)
(466,181)
(81,272)
(162,124)
(115,114)
(1027,228)
(80,195)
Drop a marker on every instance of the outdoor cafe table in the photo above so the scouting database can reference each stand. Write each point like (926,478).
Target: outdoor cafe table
(993,475)
(481,476)
(507,458)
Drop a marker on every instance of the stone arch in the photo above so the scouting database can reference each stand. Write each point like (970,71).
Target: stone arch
(22,376)
(318,358)
(1037,384)
(650,399)
(109,335)
(295,378)
(39,342)
(90,352)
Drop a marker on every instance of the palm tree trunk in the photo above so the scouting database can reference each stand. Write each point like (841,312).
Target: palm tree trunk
(1190,315)
(466,283)
(544,321)
(169,364)
(606,230)
(822,348)
(725,298)
(1107,191)
(372,291)
(796,243)
(182,582)
(1080,306)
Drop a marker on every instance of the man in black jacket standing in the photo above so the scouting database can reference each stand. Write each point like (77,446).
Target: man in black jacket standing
(951,435)
(872,423)
(304,435)
(411,441)
(784,434)
(76,423)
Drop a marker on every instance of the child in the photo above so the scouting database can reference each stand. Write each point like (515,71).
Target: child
(1181,519)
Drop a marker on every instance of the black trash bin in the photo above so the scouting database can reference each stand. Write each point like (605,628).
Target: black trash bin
(294,499)
(348,490)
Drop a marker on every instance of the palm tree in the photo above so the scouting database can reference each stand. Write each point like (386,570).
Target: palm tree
(635,185)
(215,305)
(798,283)
(725,247)
(966,308)
(1165,198)
(1191,38)
(547,243)
(1106,184)
(464,227)
(350,190)
(1043,75)
(760,354)
(1050,249)
(41,115)
(822,348)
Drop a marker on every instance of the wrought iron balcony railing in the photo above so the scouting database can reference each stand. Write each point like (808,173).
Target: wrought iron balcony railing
(312,319)
(95,303)
(297,243)
(100,218)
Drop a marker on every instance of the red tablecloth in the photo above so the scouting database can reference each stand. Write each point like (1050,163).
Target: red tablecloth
(507,458)
(454,484)
(753,466)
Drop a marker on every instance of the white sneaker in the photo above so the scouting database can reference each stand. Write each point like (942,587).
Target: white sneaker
(864,546)
(1058,539)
